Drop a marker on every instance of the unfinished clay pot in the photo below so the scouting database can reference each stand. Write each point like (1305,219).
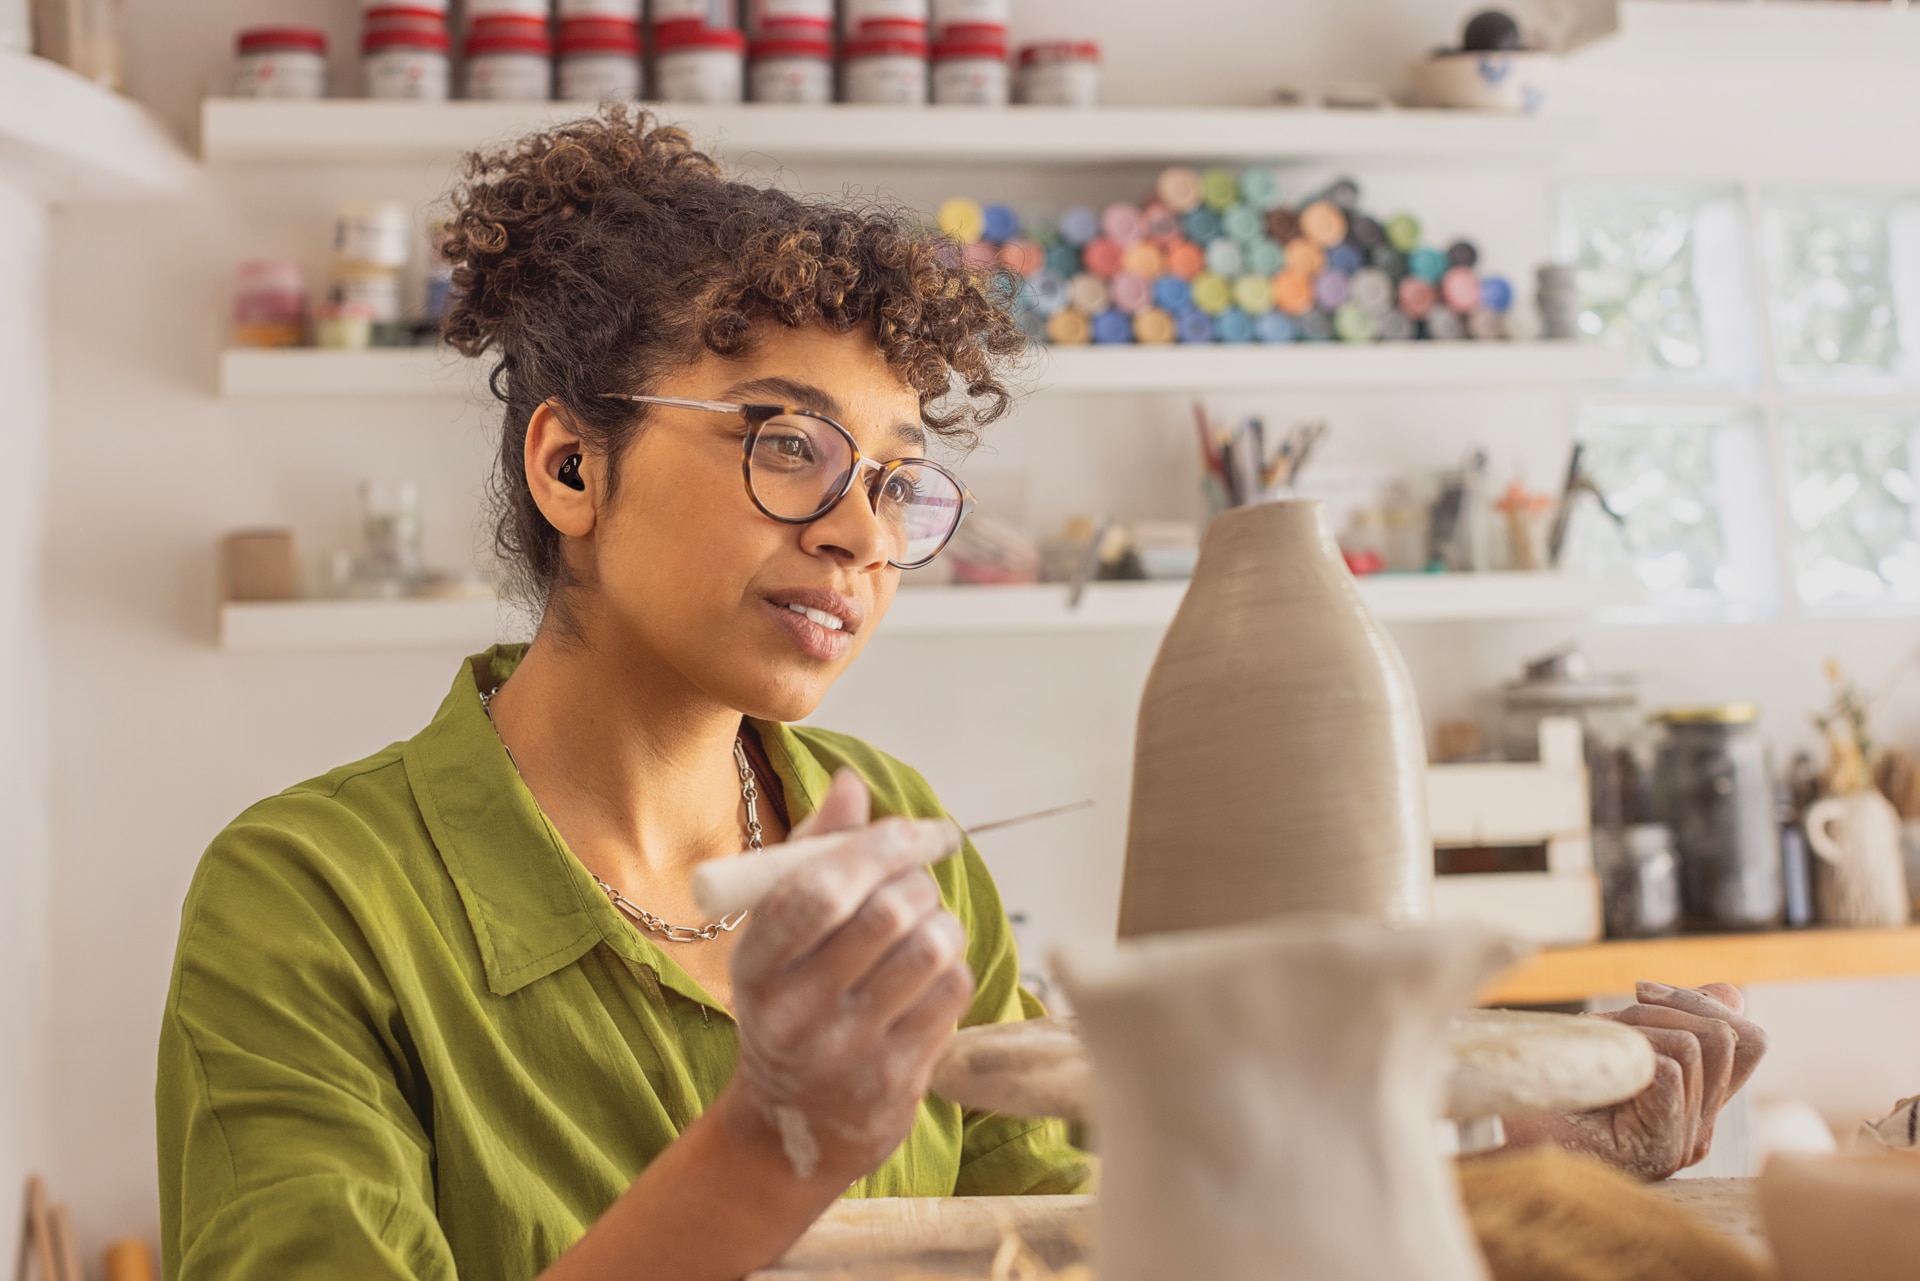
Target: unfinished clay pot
(1266,1098)
(1280,765)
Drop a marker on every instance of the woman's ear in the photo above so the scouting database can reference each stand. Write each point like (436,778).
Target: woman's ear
(562,475)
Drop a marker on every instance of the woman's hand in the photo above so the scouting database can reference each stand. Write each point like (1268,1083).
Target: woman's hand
(1706,1051)
(846,986)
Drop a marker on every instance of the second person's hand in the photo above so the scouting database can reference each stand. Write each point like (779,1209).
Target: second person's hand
(847,984)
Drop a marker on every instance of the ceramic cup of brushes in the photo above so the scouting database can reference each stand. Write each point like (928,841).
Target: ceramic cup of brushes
(1492,70)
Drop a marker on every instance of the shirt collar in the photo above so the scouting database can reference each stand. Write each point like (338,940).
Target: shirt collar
(533,907)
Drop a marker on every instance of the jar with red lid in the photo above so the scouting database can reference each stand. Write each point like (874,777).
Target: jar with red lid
(599,60)
(793,69)
(699,64)
(861,17)
(410,63)
(509,61)
(885,71)
(970,70)
(791,19)
(1060,73)
(281,62)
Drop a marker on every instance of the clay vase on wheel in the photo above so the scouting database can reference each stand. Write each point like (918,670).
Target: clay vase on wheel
(1280,765)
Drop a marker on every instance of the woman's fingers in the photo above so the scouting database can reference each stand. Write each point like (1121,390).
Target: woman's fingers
(1716,1044)
(892,914)
(928,1022)
(909,970)
(1720,1002)
(824,894)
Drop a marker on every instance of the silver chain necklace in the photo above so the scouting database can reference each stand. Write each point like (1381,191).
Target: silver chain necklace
(749,792)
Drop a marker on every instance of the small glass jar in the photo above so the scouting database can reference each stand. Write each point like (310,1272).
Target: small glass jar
(886,72)
(281,62)
(971,73)
(790,69)
(599,60)
(508,66)
(1060,73)
(407,64)
(1714,789)
(699,64)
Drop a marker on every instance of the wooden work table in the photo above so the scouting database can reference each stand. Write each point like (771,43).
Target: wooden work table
(1560,974)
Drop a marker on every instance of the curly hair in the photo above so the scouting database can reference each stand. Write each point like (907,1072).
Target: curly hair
(605,253)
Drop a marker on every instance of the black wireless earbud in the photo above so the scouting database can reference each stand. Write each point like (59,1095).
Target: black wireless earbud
(569,473)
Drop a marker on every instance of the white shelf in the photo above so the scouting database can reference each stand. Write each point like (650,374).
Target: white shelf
(1363,366)
(299,374)
(1393,598)
(250,131)
(928,611)
(467,623)
(67,139)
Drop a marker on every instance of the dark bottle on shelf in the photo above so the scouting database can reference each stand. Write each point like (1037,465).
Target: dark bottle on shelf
(1796,792)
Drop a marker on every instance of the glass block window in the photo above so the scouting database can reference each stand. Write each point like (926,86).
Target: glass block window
(1835,264)
(1690,486)
(1666,274)
(1853,501)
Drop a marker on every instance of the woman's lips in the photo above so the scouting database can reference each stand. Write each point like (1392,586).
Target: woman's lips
(815,641)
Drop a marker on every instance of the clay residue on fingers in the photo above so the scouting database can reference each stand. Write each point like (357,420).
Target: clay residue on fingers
(796,1139)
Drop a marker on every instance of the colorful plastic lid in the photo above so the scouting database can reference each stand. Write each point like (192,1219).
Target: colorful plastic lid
(269,39)
(962,218)
(1154,326)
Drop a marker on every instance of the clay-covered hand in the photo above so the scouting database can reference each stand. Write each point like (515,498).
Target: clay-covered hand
(1706,1053)
(847,984)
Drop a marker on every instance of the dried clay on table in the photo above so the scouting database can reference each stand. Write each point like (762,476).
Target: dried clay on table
(1280,765)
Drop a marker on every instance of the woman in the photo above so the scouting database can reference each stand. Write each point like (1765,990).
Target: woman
(452,1010)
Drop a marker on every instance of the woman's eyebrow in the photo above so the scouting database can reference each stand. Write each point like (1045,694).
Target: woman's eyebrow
(786,391)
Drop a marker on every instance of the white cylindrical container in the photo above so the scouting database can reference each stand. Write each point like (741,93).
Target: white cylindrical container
(407,65)
(619,10)
(1060,73)
(373,234)
(971,74)
(599,60)
(785,18)
(858,15)
(970,13)
(714,15)
(699,64)
(792,69)
(281,62)
(887,71)
(508,66)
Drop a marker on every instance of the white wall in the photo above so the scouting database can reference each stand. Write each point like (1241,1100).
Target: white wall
(159,738)
(26,849)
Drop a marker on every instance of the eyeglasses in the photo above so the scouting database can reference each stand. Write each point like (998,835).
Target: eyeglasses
(799,465)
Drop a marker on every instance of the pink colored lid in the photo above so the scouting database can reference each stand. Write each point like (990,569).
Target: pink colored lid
(599,35)
(406,38)
(1060,51)
(671,37)
(950,49)
(886,47)
(266,39)
(793,46)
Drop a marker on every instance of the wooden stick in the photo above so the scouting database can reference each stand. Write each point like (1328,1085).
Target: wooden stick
(60,1227)
(36,1234)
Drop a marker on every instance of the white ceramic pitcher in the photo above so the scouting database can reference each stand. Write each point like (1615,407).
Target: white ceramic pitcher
(1865,880)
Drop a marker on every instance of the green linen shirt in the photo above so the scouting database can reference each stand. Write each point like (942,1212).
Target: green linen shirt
(406,1036)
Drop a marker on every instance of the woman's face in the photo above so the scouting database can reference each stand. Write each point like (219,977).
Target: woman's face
(685,570)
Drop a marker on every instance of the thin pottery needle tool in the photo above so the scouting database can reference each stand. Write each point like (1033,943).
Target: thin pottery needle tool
(740,881)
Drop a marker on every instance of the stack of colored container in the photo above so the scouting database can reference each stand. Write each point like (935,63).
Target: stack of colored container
(406,49)
(508,50)
(1220,256)
(699,51)
(791,55)
(600,50)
